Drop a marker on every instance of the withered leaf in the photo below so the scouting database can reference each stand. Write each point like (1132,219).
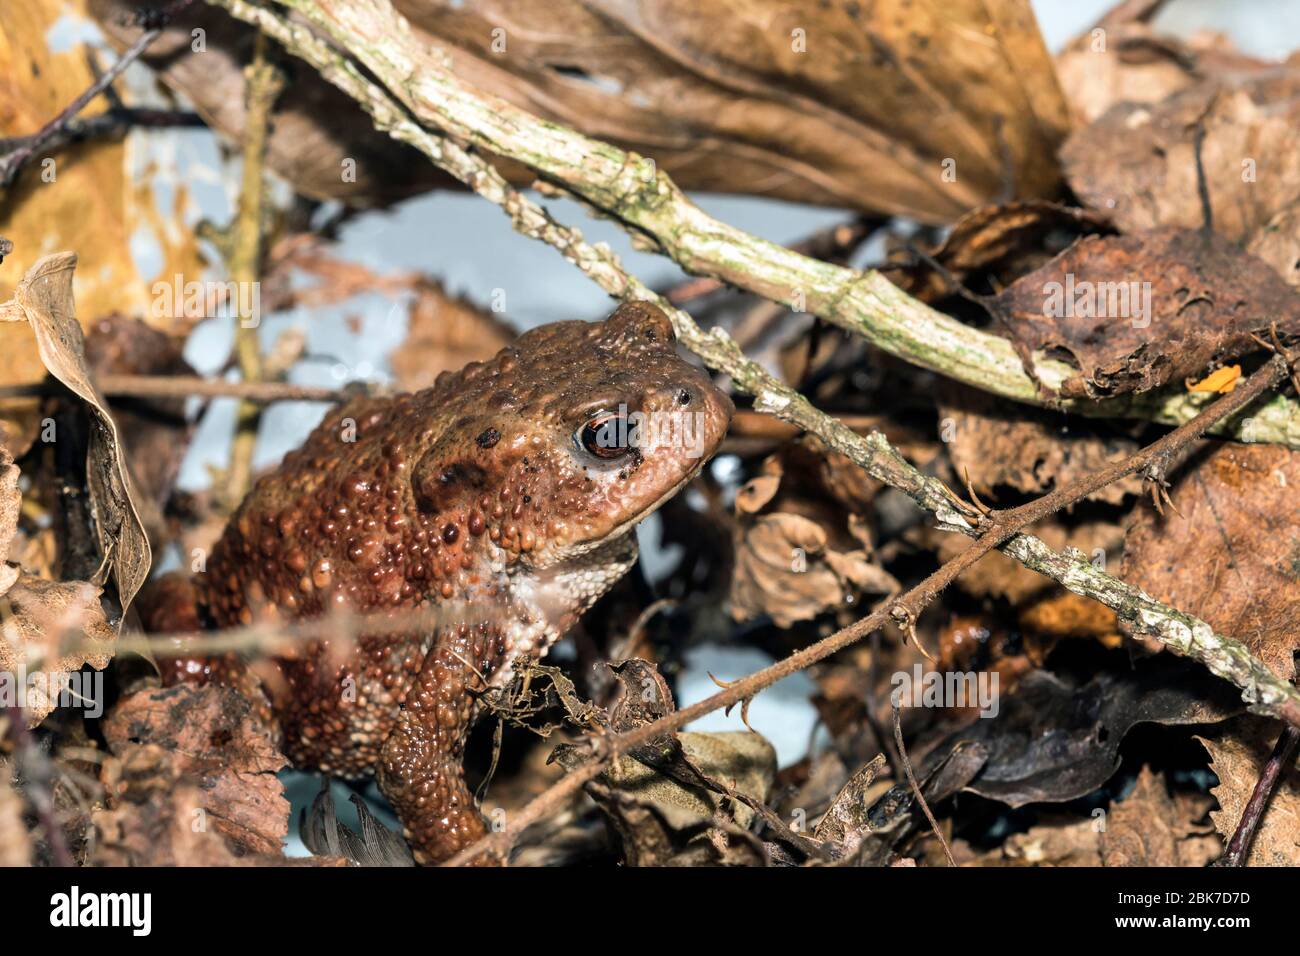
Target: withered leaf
(50,630)
(1129,62)
(1139,162)
(785,569)
(445,332)
(1230,554)
(1239,750)
(1136,311)
(215,739)
(1151,828)
(44,300)
(1054,741)
(1000,443)
(661,820)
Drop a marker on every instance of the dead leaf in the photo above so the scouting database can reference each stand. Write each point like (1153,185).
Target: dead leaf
(1238,752)
(44,299)
(785,569)
(1138,162)
(1150,828)
(1136,311)
(1129,62)
(50,630)
(1055,740)
(1230,554)
(215,739)
(1033,451)
(891,106)
(444,333)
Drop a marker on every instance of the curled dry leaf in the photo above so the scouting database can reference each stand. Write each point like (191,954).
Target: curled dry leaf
(1230,554)
(1239,750)
(50,630)
(1053,741)
(1136,311)
(893,106)
(44,300)
(661,820)
(785,569)
(1138,162)
(1006,241)
(999,443)
(213,738)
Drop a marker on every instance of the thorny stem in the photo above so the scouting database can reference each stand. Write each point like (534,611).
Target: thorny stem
(1280,762)
(1223,656)
(263,83)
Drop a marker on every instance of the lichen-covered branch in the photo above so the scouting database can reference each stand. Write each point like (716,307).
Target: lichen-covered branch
(632,189)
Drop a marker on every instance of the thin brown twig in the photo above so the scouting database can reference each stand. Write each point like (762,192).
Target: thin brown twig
(55,128)
(916,787)
(1279,763)
(182,386)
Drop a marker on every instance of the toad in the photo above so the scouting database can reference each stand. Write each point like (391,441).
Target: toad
(468,526)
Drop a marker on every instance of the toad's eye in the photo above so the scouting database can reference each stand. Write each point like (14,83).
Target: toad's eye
(605,435)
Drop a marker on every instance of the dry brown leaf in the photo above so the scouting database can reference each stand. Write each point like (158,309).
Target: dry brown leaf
(785,569)
(445,332)
(1238,751)
(1001,443)
(1151,828)
(1128,62)
(1136,311)
(855,105)
(1230,554)
(211,737)
(50,630)
(44,299)
(1138,162)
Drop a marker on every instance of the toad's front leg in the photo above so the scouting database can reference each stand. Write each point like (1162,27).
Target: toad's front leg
(420,768)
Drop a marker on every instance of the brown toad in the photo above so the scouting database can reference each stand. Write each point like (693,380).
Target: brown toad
(498,505)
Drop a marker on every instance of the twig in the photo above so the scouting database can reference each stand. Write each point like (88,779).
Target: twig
(55,128)
(1278,765)
(633,190)
(916,787)
(263,82)
(182,386)
(112,122)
